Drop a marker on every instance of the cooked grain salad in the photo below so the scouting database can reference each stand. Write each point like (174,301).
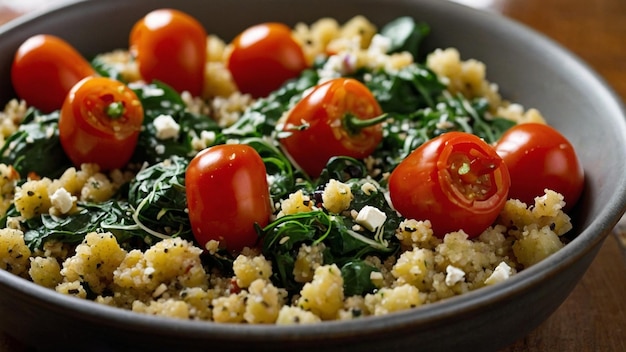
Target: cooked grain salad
(333,248)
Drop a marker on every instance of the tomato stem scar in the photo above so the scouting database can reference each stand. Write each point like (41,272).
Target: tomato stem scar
(353,124)
(115,109)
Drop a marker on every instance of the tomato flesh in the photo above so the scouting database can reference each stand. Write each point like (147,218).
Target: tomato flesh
(539,157)
(456,180)
(263,57)
(318,127)
(100,122)
(170,46)
(44,69)
(227,194)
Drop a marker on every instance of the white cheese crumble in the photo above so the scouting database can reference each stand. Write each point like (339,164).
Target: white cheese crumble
(166,127)
(62,200)
(502,272)
(159,149)
(149,271)
(454,275)
(206,139)
(379,45)
(148,91)
(371,217)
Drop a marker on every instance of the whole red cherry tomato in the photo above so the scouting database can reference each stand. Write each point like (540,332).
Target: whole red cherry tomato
(539,157)
(170,46)
(263,57)
(340,117)
(100,122)
(227,193)
(456,180)
(45,68)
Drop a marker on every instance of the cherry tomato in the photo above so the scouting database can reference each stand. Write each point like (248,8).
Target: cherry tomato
(456,180)
(100,122)
(170,46)
(227,193)
(539,157)
(264,57)
(340,117)
(45,68)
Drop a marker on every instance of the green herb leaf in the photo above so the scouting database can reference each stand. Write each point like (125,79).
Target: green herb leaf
(357,278)
(157,195)
(113,216)
(35,146)
(159,99)
(406,34)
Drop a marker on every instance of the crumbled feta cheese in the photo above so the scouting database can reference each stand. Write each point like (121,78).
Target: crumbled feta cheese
(454,275)
(148,91)
(206,139)
(166,127)
(149,271)
(159,149)
(500,273)
(379,45)
(62,200)
(376,276)
(159,290)
(371,217)
(208,136)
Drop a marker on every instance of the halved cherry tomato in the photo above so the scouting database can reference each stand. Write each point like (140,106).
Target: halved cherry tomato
(340,117)
(45,68)
(264,57)
(539,157)
(456,180)
(100,122)
(227,193)
(170,46)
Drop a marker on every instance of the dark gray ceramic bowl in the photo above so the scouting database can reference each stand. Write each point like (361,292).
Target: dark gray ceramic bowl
(529,69)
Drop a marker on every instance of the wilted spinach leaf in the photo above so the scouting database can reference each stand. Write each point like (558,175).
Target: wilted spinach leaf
(114,216)
(405,34)
(357,278)
(157,195)
(159,99)
(35,146)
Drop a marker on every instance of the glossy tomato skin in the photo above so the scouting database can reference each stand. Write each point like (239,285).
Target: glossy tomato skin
(263,57)
(44,69)
(170,46)
(539,157)
(456,180)
(317,127)
(100,122)
(227,193)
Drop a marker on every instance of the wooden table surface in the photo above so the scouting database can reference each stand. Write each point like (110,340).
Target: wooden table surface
(593,318)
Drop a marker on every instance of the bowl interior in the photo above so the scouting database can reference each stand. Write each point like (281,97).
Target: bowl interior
(529,68)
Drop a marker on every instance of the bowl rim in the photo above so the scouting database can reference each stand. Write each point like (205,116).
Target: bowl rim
(588,239)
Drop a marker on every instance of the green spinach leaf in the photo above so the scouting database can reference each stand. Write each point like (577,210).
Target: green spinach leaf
(35,146)
(159,99)
(405,34)
(157,195)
